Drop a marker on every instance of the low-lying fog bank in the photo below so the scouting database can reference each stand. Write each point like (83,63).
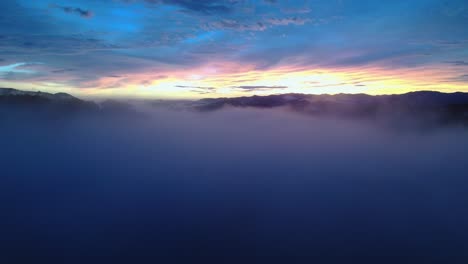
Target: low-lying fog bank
(236,185)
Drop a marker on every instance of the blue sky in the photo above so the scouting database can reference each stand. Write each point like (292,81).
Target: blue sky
(185,48)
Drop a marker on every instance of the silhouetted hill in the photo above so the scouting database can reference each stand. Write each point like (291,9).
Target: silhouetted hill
(442,107)
(423,107)
(56,105)
(16,102)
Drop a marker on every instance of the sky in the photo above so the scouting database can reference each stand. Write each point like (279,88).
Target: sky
(184,49)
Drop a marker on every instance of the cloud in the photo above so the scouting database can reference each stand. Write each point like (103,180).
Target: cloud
(458,79)
(288,21)
(62,70)
(238,25)
(75,10)
(22,44)
(231,24)
(299,10)
(20,71)
(18,67)
(258,87)
(198,89)
(458,63)
(207,7)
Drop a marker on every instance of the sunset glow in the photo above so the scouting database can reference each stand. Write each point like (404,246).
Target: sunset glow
(234,48)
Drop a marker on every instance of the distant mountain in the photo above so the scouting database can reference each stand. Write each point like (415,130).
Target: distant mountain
(441,107)
(424,107)
(48,104)
(56,105)
(13,93)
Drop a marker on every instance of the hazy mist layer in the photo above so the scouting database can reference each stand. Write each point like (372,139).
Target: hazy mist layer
(231,186)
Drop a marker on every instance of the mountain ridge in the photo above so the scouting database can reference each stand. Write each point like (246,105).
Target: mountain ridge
(421,105)
(54,96)
(13,101)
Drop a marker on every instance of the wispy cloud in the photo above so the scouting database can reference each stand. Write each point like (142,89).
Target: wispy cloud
(260,25)
(207,7)
(458,79)
(259,87)
(20,71)
(458,63)
(75,10)
(63,70)
(288,21)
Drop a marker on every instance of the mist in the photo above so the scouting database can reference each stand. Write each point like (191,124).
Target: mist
(237,185)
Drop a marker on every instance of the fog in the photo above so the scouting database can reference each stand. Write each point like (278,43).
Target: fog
(231,186)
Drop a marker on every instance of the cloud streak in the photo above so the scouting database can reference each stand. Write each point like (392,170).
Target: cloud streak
(75,10)
(259,87)
(206,7)
(458,63)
